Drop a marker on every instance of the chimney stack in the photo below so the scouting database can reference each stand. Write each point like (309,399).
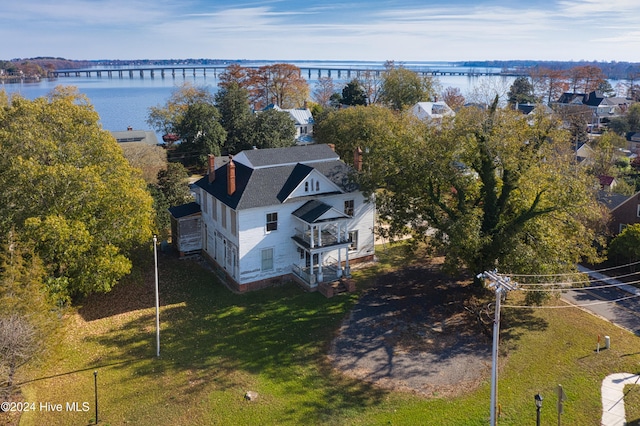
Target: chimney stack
(332,146)
(231,177)
(212,168)
(357,159)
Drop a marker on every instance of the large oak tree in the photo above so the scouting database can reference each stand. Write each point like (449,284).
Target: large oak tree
(69,192)
(490,189)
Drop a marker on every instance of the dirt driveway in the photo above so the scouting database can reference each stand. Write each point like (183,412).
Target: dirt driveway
(411,332)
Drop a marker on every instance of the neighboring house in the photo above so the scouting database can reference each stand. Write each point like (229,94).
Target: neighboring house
(531,109)
(140,136)
(633,142)
(435,111)
(607,183)
(585,154)
(303,120)
(623,210)
(285,213)
(603,108)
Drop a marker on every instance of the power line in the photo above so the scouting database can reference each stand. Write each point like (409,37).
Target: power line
(570,305)
(569,284)
(571,273)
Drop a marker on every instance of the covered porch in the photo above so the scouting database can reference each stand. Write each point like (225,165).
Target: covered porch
(322,239)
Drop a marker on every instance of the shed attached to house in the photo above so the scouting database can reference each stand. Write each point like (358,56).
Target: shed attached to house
(186,228)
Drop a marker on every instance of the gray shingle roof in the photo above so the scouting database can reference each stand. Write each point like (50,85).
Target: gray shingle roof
(312,210)
(277,175)
(290,155)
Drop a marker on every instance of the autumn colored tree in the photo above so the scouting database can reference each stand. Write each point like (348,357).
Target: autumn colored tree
(278,84)
(548,84)
(585,79)
(69,191)
(234,74)
(453,97)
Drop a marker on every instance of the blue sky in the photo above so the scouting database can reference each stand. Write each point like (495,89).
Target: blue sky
(378,30)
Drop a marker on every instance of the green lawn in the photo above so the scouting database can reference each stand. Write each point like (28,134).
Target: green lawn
(217,345)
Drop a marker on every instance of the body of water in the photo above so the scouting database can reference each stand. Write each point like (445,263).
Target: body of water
(125,102)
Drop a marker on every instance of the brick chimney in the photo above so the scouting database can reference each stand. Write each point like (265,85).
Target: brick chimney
(212,168)
(357,159)
(231,177)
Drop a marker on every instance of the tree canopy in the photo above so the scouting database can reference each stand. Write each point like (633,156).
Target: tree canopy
(200,133)
(278,84)
(521,92)
(488,188)
(353,94)
(166,118)
(273,129)
(403,88)
(236,116)
(70,193)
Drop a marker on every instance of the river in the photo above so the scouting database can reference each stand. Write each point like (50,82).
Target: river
(125,102)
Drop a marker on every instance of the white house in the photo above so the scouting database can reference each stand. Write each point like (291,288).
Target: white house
(303,120)
(432,110)
(285,213)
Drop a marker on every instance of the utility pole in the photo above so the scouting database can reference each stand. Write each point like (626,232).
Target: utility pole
(155,257)
(501,285)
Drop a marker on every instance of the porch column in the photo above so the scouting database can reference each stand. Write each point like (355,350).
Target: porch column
(347,269)
(319,235)
(339,268)
(311,265)
(320,274)
(311,236)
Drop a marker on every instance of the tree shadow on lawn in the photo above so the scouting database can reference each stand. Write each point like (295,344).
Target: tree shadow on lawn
(417,329)
(134,292)
(209,333)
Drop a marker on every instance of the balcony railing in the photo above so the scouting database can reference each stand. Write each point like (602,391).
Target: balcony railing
(328,238)
(304,275)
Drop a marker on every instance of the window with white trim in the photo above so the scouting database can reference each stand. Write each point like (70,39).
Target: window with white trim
(348,207)
(272,222)
(267,259)
(223,215)
(234,225)
(353,240)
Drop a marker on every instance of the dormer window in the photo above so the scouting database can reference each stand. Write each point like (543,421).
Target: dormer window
(306,187)
(317,185)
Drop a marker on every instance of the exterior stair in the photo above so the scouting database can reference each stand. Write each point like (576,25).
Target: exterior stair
(343,285)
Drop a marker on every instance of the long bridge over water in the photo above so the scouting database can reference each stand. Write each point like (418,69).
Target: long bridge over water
(310,72)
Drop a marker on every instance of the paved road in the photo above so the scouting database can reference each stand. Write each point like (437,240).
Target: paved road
(624,312)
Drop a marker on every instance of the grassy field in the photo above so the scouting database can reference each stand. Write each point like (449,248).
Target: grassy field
(217,345)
